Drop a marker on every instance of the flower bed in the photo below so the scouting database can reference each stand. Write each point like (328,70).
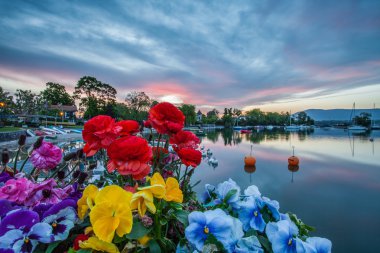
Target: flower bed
(144,200)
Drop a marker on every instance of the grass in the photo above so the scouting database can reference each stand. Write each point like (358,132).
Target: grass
(9,129)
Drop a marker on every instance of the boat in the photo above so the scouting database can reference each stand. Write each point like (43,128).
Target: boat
(373,125)
(291,127)
(238,127)
(77,131)
(30,133)
(270,127)
(245,131)
(200,133)
(354,127)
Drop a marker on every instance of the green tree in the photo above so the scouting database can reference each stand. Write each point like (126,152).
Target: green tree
(95,97)
(189,112)
(7,106)
(364,119)
(138,104)
(27,102)
(211,117)
(55,94)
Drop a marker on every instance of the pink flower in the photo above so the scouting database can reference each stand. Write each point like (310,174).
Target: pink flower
(16,190)
(46,193)
(46,157)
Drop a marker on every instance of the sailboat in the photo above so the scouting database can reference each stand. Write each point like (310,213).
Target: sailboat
(291,127)
(355,127)
(373,125)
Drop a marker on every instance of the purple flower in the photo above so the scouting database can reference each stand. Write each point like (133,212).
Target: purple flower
(61,222)
(21,231)
(16,190)
(46,193)
(46,157)
(4,177)
(5,207)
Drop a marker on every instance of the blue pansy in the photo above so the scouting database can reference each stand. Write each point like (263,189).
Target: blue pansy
(61,222)
(283,236)
(321,245)
(253,191)
(226,229)
(250,215)
(273,207)
(21,231)
(224,188)
(249,245)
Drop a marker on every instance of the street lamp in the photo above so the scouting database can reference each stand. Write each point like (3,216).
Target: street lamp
(61,114)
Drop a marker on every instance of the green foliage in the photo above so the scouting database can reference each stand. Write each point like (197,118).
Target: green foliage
(94,96)
(8,105)
(27,102)
(138,231)
(304,229)
(364,119)
(55,94)
(138,104)
(189,112)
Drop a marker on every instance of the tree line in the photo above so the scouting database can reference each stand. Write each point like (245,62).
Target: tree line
(95,97)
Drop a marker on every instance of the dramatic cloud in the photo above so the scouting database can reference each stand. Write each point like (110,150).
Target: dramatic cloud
(209,53)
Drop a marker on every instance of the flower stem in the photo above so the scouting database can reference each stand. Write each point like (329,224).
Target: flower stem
(23,164)
(15,164)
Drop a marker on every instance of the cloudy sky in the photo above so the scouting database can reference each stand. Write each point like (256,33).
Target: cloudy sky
(276,55)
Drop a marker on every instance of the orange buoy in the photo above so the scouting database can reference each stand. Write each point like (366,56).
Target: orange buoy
(250,160)
(293,160)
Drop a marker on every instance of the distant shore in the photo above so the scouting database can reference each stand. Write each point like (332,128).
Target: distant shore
(31,140)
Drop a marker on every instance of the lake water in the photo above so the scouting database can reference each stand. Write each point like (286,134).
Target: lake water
(336,189)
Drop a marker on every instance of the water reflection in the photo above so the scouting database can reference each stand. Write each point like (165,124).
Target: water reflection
(335,187)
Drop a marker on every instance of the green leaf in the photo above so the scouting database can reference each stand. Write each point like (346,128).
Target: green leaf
(230,194)
(138,231)
(265,243)
(169,245)
(71,250)
(163,221)
(154,246)
(251,232)
(83,251)
(117,239)
(52,246)
(182,216)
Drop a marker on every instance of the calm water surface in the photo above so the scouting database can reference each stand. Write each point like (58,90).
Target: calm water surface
(336,189)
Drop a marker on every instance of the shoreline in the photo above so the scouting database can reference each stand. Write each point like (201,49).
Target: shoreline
(31,140)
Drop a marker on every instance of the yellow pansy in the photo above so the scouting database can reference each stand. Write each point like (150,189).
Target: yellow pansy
(144,240)
(99,245)
(172,191)
(87,200)
(111,213)
(142,200)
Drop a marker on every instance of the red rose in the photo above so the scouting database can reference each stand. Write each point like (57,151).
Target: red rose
(147,124)
(184,139)
(190,157)
(129,127)
(130,155)
(166,118)
(80,238)
(99,132)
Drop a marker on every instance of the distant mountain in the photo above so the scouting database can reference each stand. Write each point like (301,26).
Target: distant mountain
(339,114)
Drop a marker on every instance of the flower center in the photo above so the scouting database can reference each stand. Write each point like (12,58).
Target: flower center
(54,225)
(46,193)
(290,241)
(255,213)
(26,240)
(206,230)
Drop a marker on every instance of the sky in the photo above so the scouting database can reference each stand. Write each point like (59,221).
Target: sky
(274,55)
